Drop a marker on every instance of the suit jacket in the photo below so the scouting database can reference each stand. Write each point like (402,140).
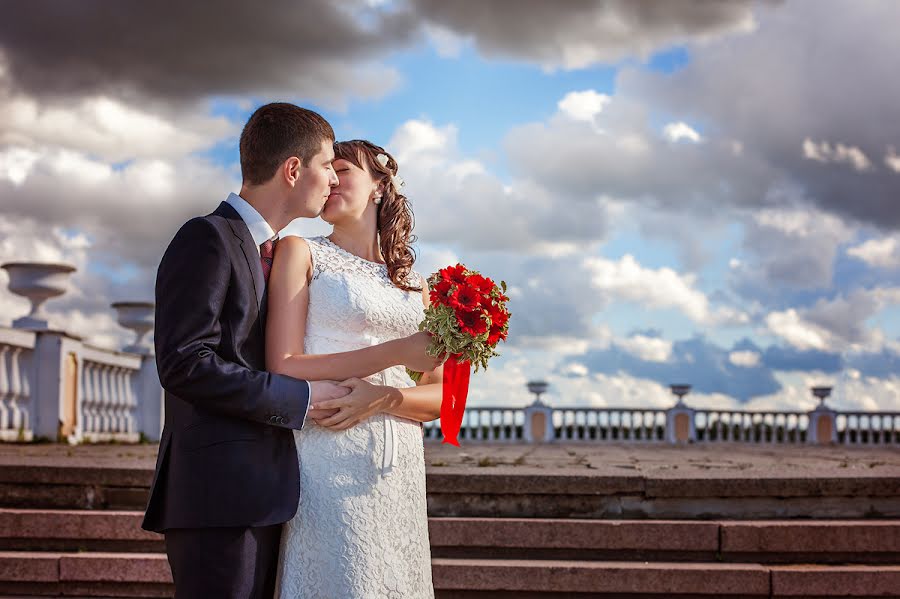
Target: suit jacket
(226,454)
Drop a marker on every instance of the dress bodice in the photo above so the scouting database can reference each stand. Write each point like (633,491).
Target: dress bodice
(353,304)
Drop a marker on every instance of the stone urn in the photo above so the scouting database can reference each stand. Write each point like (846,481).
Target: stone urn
(138,317)
(538,388)
(822,393)
(38,282)
(679,391)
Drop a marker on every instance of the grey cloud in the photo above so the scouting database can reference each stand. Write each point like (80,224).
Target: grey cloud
(789,252)
(620,155)
(822,71)
(479,213)
(127,222)
(181,51)
(696,361)
(846,317)
(579,33)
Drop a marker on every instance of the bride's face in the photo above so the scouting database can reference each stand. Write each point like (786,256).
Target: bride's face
(353,195)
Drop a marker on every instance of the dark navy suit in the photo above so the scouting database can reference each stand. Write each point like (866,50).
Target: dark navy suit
(227,474)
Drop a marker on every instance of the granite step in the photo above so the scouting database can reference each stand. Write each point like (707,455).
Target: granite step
(85,574)
(772,541)
(470,578)
(524,492)
(147,575)
(755,541)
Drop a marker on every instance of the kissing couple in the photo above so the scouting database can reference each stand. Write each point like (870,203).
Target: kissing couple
(291,461)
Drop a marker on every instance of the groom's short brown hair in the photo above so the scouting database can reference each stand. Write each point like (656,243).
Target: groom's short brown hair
(274,133)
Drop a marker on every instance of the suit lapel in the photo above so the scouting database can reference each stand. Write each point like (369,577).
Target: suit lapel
(248,247)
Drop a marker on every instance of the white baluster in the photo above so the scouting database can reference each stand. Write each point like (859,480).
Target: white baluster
(114,397)
(106,395)
(131,414)
(4,388)
(100,398)
(25,392)
(88,386)
(125,412)
(124,408)
(15,389)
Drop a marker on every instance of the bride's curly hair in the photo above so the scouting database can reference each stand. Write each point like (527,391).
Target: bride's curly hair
(395,219)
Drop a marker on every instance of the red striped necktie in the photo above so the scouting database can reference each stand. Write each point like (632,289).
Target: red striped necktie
(266,252)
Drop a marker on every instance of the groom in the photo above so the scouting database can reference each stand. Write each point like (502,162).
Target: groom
(227,473)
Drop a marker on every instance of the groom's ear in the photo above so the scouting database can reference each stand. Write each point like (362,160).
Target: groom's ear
(290,170)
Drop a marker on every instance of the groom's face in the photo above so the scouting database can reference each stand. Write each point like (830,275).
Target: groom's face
(315,182)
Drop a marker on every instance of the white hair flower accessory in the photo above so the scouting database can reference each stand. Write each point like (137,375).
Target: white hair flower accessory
(396,180)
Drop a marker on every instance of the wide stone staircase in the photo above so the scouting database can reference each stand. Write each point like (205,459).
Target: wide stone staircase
(74,530)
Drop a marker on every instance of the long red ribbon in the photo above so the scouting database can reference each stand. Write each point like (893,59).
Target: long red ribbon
(453,402)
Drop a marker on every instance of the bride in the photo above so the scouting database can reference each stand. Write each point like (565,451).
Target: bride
(348,306)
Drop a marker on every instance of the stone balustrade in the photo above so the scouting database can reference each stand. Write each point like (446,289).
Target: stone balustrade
(542,423)
(55,387)
(108,400)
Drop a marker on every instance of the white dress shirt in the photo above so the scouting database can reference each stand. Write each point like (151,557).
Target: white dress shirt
(261,231)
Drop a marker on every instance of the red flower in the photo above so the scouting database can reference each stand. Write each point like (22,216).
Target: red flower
(455,274)
(498,315)
(482,284)
(496,333)
(465,298)
(441,292)
(472,322)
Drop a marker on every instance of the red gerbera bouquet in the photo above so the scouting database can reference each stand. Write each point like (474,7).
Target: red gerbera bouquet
(467,319)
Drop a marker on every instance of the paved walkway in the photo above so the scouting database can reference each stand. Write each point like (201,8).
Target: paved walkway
(725,460)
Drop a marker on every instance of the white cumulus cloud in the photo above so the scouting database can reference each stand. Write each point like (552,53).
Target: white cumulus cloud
(840,153)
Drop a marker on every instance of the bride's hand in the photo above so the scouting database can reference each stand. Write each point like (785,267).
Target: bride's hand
(414,356)
(363,401)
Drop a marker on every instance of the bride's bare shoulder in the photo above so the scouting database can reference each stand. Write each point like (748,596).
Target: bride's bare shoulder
(292,247)
(294,253)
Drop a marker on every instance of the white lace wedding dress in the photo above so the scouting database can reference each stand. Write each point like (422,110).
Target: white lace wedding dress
(361,529)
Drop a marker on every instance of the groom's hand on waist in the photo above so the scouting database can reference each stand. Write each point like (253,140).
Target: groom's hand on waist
(322,391)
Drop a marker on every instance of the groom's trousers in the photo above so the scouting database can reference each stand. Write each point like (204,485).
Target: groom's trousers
(231,563)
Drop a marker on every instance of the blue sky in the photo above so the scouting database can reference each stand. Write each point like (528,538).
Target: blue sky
(669,193)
